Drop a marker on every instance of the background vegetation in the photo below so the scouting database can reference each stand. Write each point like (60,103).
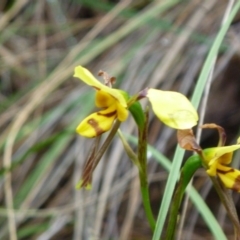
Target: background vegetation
(162,44)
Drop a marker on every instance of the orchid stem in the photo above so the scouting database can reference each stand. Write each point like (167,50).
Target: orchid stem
(142,158)
(229,205)
(146,200)
(142,170)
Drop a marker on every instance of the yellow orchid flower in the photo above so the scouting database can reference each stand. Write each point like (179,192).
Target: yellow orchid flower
(173,108)
(112,100)
(215,159)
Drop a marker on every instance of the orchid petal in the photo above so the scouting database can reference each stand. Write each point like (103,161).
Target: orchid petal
(230,177)
(89,79)
(104,99)
(173,109)
(122,113)
(97,123)
(214,153)
(212,169)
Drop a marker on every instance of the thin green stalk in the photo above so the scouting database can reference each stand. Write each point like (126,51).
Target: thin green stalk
(142,157)
(190,167)
(146,203)
(131,154)
(142,171)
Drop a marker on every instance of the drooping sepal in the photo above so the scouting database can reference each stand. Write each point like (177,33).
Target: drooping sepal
(86,178)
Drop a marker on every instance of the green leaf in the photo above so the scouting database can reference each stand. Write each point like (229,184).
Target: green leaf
(138,114)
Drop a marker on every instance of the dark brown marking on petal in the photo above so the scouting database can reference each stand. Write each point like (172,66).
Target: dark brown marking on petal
(111,114)
(98,89)
(94,124)
(224,172)
(236,186)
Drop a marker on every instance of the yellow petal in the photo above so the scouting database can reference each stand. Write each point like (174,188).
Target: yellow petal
(97,123)
(222,153)
(173,109)
(218,155)
(224,159)
(212,170)
(122,112)
(230,177)
(223,150)
(104,99)
(88,78)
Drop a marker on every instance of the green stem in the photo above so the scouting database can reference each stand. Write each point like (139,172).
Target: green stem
(189,168)
(142,157)
(131,154)
(140,160)
(142,170)
(146,201)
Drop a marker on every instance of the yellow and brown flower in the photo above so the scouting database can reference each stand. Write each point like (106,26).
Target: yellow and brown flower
(216,160)
(111,100)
